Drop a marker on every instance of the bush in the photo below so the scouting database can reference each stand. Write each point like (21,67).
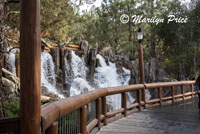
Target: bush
(11,109)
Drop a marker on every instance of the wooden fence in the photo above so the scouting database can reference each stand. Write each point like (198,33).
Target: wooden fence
(74,115)
(54,112)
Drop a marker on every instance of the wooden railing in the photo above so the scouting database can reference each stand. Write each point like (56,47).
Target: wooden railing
(9,125)
(54,114)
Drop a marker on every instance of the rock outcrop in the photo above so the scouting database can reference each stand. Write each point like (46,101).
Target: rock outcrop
(153,73)
(11,85)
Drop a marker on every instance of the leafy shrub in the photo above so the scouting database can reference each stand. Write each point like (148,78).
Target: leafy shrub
(11,109)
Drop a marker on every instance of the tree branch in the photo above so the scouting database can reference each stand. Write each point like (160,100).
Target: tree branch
(9,13)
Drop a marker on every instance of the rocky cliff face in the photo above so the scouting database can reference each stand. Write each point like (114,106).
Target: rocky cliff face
(153,72)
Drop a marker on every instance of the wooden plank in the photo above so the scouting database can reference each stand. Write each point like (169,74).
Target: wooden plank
(115,118)
(167,84)
(167,98)
(132,111)
(92,125)
(94,131)
(113,113)
(153,105)
(133,106)
(166,119)
(30,67)
(9,125)
(152,101)
(116,90)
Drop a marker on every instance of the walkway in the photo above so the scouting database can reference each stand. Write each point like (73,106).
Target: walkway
(180,118)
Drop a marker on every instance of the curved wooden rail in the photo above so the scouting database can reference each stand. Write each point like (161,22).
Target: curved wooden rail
(56,110)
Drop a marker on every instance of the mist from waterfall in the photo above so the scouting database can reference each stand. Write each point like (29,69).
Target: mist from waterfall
(48,76)
(76,75)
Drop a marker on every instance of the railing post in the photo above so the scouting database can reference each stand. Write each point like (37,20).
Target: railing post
(191,90)
(98,112)
(144,96)
(104,110)
(182,92)
(53,129)
(124,103)
(83,122)
(139,99)
(160,94)
(172,89)
(30,67)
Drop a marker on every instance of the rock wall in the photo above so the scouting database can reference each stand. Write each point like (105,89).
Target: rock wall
(11,85)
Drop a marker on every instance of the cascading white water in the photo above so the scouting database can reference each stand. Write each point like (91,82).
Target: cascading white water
(48,76)
(11,61)
(76,75)
(107,76)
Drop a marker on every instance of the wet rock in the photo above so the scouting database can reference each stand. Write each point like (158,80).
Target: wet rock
(44,90)
(45,98)
(66,89)
(55,52)
(119,68)
(11,77)
(84,46)
(107,51)
(92,64)
(9,86)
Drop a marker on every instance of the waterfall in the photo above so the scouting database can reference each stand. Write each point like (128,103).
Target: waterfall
(11,61)
(76,75)
(48,76)
(107,76)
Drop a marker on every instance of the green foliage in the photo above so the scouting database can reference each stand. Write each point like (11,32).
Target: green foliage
(180,41)
(56,18)
(174,43)
(11,109)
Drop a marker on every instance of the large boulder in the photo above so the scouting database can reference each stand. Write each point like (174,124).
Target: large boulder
(8,75)
(11,85)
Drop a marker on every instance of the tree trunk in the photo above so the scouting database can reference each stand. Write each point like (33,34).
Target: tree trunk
(1,54)
(153,44)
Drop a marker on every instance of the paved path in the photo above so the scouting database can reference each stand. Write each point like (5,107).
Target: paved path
(180,118)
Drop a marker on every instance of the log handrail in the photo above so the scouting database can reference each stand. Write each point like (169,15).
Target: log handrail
(9,125)
(58,109)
